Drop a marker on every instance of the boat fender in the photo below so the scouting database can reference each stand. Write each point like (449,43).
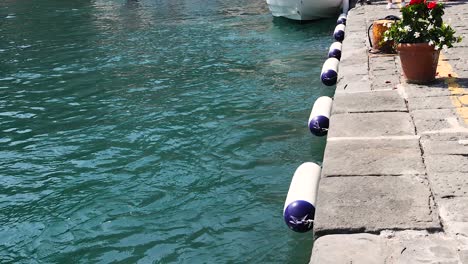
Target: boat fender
(299,208)
(319,118)
(339,32)
(329,73)
(335,50)
(341,19)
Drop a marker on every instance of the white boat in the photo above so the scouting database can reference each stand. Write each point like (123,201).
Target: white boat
(304,9)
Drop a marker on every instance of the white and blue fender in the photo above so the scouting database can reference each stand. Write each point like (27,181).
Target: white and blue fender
(342,19)
(339,33)
(299,208)
(335,50)
(319,119)
(329,73)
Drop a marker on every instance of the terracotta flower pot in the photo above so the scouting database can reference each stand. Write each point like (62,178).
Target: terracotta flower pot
(419,61)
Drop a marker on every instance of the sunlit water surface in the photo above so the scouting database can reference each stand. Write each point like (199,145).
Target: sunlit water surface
(162,131)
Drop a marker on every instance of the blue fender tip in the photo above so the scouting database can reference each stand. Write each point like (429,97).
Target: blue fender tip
(299,216)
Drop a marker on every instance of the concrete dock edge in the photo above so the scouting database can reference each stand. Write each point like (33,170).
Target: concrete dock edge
(394,184)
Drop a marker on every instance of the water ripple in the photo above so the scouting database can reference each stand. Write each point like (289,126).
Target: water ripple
(153,131)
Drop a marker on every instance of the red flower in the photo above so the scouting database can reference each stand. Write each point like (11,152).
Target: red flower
(415,2)
(431,5)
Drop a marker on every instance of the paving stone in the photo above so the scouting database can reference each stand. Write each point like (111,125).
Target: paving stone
(454,209)
(439,88)
(463,249)
(353,78)
(359,69)
(453,60)
(430,120)
(371,125)
(454,215)
(357,36)
(354,248)
(354,34)
(390,71)
(351,45)
(385,82)
(353,54)
(436,248)
(343,86)
(456,50)
(407,247)
(372,184)
(445,144)
(449,184)
(382,101)
(372,157)
(444,136)
(436,102)
(461,65)
(447,163)
(463,256)
(381,62)
(355,29)
(370,204)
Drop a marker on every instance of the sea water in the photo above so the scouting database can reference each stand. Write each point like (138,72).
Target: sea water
(154,131)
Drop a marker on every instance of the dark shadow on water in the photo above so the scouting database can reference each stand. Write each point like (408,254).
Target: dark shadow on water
(321,25)
(131,4)
(279,21)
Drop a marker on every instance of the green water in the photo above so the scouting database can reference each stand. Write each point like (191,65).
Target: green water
(153,131)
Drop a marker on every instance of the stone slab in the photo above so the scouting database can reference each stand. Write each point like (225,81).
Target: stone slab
(354,248)
(461,135)
(447,163)
(385,82)
(439,88)
(463,256)
(371,125)
(378,63)
(344,86)
(357,69)
(382,101)
(432,120)
(373,157)
(435,102)
(434,248)
(405,247)
(371,204)
(385,71)
(449,184)
(462,64)
(356,203)
(454,215)
(456,144)
(355,30)
(355,54)
(350,61)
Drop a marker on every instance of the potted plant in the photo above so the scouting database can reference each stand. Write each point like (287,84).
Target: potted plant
(419,36)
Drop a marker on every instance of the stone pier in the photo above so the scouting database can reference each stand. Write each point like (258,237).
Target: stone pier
(394,185)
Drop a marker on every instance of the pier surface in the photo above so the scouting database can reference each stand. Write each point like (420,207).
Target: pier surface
(394,185)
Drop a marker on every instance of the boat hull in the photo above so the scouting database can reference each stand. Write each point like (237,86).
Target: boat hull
(304,9)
